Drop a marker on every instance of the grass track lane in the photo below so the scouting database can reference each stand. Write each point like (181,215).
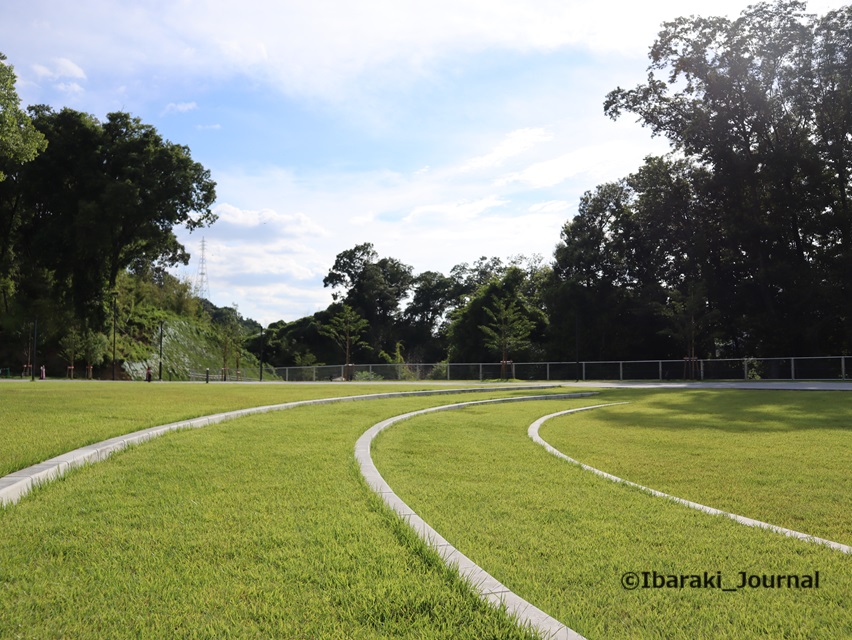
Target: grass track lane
(562,538)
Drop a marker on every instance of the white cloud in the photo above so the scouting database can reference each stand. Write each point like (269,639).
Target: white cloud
(551,206)
(514,144)
(180,107)
(69,88)
(61,68)
(593,163)
(326,47)
(455,211)
(293,224)
(367,218)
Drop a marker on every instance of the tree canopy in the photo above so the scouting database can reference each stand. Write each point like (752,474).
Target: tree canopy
(100,199)
(19,141)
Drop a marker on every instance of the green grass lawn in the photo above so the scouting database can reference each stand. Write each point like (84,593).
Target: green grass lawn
(45,419)
(783,457)
(562,537)
(262,527)
(256,528)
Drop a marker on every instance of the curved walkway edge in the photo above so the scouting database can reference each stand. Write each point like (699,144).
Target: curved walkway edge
(533,433)
(17,484)
(488,587)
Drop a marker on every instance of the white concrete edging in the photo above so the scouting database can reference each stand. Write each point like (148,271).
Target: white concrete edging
(488,587)
(17,484)
(749,522)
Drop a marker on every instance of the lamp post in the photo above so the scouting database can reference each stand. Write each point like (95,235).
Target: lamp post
(35,348)
(114,312)
(261,353)
(161,350)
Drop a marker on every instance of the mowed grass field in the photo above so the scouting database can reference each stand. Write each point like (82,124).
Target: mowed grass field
(262,527)
(563,538)
(44,419)
(782,457)
(256,528)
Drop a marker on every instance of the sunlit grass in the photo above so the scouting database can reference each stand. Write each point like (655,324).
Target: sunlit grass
(259,527)
(44,419)
(562,538)
(782,457)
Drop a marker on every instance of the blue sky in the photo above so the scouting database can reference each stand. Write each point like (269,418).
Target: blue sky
(439,131)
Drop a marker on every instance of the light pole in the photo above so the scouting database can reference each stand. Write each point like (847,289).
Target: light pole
(161,350)
(261,353)
(114,302)
(35,348)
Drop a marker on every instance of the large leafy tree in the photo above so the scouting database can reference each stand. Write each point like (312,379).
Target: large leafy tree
(762,103)
(20,142)
(103,197)
(635,247)
(375,288)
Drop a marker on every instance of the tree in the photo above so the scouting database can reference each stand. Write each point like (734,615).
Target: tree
(69,347)
(101,198)
(19,140)
(20,143)
(230,336)
(467,340)
(374,288)
(762,103)
(508,330)
(348,268)
(345,329)
(94,347)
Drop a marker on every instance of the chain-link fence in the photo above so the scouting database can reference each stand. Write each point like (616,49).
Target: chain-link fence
(815,368)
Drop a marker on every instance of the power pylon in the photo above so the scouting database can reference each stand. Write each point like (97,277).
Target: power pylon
(202,286)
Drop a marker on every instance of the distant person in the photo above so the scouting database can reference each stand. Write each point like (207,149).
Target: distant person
(148,375)
(42,374)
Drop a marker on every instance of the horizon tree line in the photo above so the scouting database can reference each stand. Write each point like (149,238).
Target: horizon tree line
(738,242)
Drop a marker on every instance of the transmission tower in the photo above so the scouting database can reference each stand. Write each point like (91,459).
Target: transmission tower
(202,286)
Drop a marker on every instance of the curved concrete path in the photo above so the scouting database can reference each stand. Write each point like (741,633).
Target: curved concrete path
(488,587)
(17,484)
(533,433)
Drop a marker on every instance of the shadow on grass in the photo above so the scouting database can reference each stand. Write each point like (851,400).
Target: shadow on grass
(732,410)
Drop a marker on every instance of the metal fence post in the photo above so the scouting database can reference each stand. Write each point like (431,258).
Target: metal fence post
(584,372)
(621,371)
(792,368)
(480,372)
(548,372)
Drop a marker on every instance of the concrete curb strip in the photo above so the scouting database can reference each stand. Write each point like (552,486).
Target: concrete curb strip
(17,484)
(749,522)
(488,587)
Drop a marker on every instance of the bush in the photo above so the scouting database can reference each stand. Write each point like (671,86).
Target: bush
(366,376)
